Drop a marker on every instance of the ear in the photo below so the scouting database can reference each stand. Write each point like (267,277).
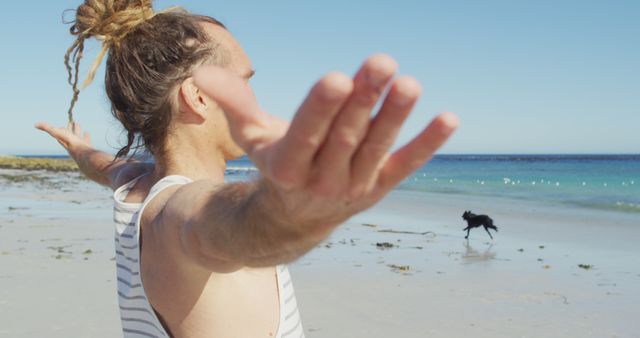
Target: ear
(193,101)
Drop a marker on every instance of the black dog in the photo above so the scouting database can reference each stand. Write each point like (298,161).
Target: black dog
(474,221)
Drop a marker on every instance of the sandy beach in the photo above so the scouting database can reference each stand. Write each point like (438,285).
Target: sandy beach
(401,269)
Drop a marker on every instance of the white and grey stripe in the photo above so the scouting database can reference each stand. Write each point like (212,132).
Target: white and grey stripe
(130,332)
(136,314)
(129,247)
(290,321)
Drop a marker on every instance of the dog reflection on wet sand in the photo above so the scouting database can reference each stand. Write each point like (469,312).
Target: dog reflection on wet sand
(472,255)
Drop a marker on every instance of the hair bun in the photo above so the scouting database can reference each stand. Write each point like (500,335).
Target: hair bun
(110,20)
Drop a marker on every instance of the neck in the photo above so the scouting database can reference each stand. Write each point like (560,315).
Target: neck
(192,161)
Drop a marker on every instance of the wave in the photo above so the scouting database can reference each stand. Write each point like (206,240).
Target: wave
(241,169)
(565,198)
(539,157)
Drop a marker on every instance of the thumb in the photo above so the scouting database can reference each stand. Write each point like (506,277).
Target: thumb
(229,90)
(247,121)
(42,126)
(47,128)
(54,132)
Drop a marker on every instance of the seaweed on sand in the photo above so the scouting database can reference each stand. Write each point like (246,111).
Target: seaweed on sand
(38,163)
(26,178)
(384,245)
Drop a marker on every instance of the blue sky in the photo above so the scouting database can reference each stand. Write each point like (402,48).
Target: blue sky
(524,76)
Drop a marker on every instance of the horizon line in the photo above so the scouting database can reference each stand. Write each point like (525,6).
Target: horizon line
(444,154)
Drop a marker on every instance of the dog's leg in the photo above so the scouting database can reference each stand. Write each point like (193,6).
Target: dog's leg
(487,229)
(468,229)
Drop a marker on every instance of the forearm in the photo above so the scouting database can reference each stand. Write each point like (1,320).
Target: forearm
(246,224)
(94,164)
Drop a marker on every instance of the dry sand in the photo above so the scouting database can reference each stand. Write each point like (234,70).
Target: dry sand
(57,273)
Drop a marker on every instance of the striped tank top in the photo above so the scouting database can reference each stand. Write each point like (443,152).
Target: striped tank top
(137,316)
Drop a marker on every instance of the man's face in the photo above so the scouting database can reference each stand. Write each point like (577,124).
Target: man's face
(236,61)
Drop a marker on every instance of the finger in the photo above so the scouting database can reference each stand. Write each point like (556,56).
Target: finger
(71,126)
(87,137)
(350,125)
(42,126)
(295,153)
(78,129)
(403,94)
(56,133)
(417,152)
(247,121)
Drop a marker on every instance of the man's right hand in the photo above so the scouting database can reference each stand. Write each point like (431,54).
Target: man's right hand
(333,160)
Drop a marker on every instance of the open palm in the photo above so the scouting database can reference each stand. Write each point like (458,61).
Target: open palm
(68,137)
(333,159)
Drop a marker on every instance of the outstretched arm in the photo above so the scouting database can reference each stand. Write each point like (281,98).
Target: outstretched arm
(332,161)
(95,164)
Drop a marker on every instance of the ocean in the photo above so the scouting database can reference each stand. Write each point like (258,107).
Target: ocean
(608,182)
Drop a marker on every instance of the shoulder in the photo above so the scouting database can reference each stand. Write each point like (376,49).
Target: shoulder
(128,171)
(188,201)
(184,223)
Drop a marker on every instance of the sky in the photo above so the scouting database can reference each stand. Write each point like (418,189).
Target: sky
(523,76)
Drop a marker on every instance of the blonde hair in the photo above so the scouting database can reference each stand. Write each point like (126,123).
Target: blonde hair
(108,21)
(149,53)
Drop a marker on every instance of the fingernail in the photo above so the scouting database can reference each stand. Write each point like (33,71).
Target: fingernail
(380,68)
(403,99)
(407,91)
(377,79)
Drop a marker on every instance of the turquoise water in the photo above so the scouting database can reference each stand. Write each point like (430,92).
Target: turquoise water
(592,181)
(610,182)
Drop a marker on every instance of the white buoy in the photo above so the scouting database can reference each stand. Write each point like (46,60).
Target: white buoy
(450,181)
(557,184)
(482,182)
(513,183)
(605,184)
(435,179)
(632,182)
(533,183)
(584,183)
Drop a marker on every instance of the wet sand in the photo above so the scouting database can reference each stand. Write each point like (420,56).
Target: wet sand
(526,283)
(57,274)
